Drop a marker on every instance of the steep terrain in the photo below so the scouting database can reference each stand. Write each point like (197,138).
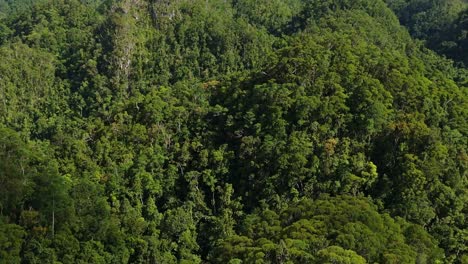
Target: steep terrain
(441,24)
(243,131)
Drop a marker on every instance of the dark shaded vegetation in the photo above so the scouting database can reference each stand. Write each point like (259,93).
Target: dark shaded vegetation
(441,24)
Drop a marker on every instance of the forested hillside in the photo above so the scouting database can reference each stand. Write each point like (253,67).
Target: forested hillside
(441,24)
(231,131)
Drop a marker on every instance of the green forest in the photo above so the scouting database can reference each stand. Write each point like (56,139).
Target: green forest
(234,131)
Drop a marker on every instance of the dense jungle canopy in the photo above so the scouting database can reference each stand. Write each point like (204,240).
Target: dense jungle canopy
(233,131)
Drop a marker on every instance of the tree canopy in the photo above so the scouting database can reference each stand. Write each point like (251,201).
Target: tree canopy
(240,131)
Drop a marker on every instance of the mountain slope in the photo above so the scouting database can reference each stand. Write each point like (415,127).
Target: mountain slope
(205,131)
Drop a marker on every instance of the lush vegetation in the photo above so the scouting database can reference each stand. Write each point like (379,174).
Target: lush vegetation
(442,24)
(243,131)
